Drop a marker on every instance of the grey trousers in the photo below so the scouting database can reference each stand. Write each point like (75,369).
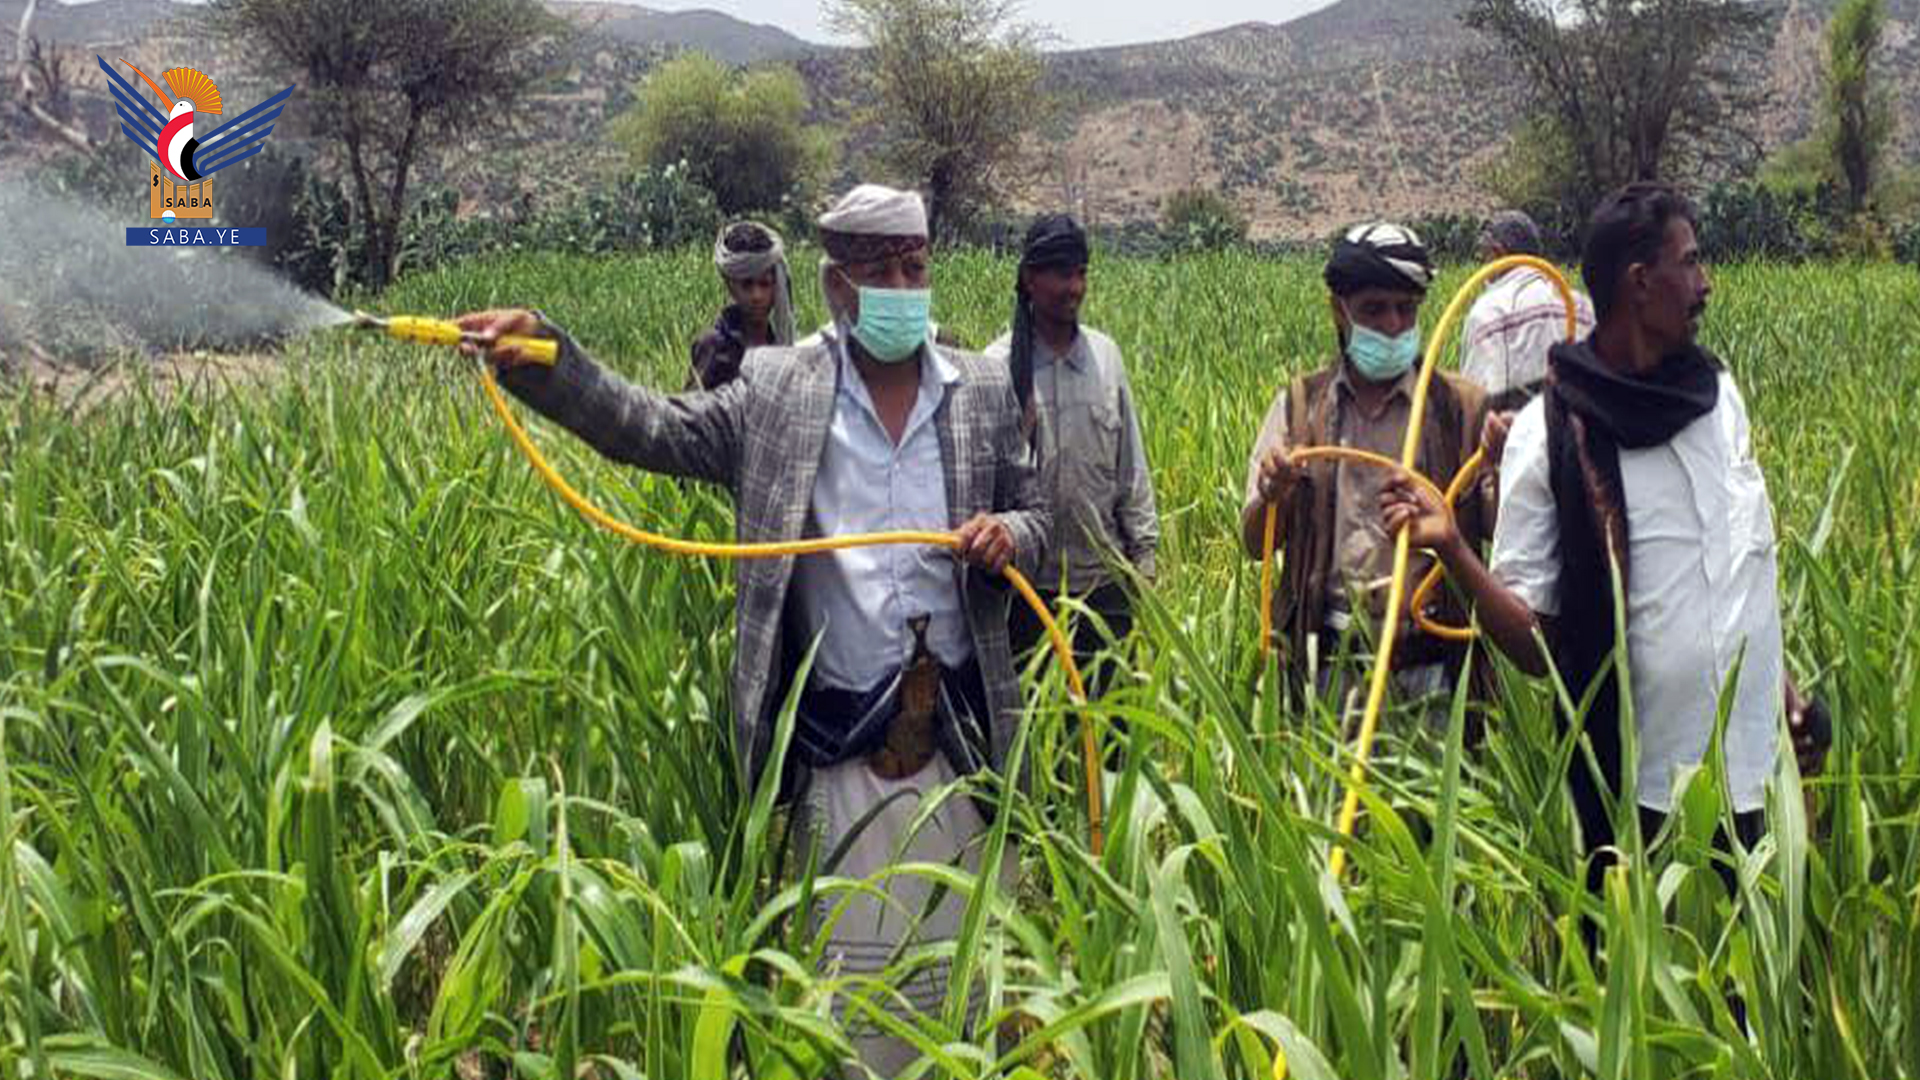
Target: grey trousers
(870,823)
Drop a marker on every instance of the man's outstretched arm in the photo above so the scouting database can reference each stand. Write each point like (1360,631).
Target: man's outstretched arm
(696,435)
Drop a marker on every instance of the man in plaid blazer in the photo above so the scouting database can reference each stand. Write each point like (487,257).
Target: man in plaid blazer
(871,426)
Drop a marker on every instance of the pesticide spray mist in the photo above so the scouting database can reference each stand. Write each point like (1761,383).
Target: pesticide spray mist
(76,290)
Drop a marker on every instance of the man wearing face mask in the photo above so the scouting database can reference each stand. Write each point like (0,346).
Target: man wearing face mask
(871,428)
(1338,555)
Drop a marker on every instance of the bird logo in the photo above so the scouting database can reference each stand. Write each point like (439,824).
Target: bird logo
(184,161)
(193,92)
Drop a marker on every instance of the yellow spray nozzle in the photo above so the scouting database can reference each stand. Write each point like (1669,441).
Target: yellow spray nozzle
(425,331)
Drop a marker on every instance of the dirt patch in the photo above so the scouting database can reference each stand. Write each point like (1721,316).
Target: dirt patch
(1120,163)
(79,389)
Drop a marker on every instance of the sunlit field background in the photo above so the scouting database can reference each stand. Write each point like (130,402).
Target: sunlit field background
(335,746)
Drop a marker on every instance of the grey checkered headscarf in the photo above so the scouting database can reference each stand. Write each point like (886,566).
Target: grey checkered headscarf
(746,250)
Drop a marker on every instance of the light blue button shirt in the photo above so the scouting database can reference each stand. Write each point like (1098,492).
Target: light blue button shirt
(860,600)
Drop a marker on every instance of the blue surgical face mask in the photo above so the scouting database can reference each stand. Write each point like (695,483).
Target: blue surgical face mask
(1379,358)
(893,322)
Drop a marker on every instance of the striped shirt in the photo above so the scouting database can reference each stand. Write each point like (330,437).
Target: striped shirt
(1511,327)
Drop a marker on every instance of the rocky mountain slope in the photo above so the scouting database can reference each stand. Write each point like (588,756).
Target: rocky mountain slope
(1363,108)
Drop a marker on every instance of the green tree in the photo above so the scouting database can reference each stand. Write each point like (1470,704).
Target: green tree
(1842,168)
(743,134)
(957,87)
(1637,89)
(1858,106)
(1538,171)
(387,80)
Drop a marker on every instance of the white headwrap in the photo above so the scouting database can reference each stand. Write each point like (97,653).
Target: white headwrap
(869,223)
(744,265)
(877,210)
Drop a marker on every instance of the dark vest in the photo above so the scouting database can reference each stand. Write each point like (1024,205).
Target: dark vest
(1456,408)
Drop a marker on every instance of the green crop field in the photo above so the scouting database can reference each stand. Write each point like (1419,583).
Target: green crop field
(334,746)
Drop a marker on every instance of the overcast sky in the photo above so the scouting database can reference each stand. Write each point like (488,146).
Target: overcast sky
(1081,23)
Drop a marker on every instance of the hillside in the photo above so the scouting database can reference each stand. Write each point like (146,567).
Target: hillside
(1363,108)
(101,22)
(711,32)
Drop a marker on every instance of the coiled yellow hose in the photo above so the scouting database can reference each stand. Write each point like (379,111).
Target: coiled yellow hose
(1396,593)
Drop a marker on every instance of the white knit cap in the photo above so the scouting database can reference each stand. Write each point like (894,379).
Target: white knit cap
(876,210)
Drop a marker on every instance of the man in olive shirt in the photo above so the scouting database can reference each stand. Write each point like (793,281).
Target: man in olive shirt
(1080,418)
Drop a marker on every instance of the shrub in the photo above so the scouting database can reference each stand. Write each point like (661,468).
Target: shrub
(642,210)
(1449,237)
(1906,243)
(1200,219)
(742,133)
(1747,220)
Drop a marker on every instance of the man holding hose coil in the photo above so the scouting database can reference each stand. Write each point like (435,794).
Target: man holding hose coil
(1638,457)
(1338,557)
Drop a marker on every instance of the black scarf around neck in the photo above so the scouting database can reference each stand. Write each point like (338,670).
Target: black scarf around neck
(1593,411)
(1637,411)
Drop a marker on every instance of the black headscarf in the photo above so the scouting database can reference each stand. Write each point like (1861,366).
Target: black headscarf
(1380,256)
(1053,242)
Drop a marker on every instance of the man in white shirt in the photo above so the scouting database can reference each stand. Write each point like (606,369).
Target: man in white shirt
(1639,445)
(1517,319)
(1511,327)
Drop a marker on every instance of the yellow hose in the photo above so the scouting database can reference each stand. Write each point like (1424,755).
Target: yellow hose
(1266,584)
(544,350)
(1396,593)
